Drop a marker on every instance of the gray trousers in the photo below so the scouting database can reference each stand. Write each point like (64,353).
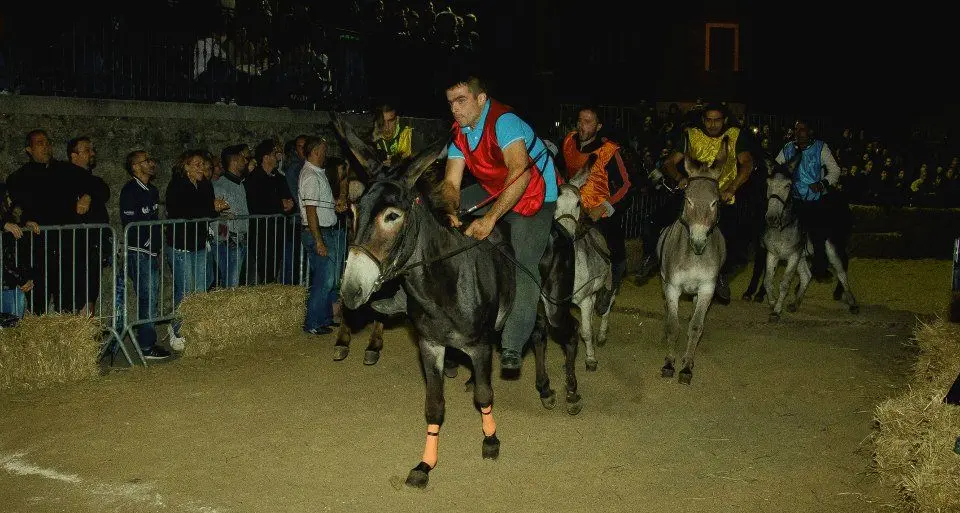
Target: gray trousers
(528,237)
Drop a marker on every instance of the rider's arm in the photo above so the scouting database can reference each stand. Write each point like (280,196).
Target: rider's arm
(452,179)
(744,168)
(832,176)
(670,166)
(516,158)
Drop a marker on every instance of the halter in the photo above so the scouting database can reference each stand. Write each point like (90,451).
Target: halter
(786,210)
(716,219)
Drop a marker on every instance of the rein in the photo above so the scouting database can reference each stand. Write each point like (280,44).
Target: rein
(786,210)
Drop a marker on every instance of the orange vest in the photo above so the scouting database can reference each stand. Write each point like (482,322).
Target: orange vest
(597,189)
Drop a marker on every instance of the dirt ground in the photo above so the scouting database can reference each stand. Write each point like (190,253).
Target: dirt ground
(776,419)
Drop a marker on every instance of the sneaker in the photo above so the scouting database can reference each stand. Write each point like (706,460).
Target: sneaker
(177,343)
(156,353)
(510,359)
(322,330)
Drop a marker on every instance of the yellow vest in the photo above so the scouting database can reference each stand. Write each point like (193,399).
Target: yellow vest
(399,146)
(705,148)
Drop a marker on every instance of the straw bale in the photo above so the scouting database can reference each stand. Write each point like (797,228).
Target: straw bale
(916,431)
(48,349)
(230,318)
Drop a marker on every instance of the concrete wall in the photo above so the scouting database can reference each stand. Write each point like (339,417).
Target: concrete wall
(164,129)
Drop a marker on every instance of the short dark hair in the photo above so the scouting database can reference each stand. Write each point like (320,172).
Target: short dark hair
(228,153)
(594,108)
(467,78)
(717,106)
(31,134)
(311,143)
(128,161)
(266,147)
(73,143)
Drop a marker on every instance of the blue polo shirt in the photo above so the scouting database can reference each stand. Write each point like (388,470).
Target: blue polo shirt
(510,128)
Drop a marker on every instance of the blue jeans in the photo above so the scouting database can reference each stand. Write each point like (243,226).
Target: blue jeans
(189,276)
(13,301)
(230,260)
(338,253)
(144,272)
(323,278)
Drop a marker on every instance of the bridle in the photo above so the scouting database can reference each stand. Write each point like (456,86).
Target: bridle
(716,219)
(786,210)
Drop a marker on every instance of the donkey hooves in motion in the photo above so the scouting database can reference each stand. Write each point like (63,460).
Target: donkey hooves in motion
(792,308)
(667,370)
(548,399)
(574,404)
(371,357)
(491,447)
(855,309)
(340,352)
(592,364)
(685,376)
(419,475)
(774,317)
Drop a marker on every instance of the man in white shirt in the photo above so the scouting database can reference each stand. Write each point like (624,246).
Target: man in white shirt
(319,237)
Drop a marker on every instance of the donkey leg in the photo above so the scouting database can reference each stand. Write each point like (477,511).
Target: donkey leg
(538,337)
(483,399)
(788,273)
(431,355)
(372,355)
(759,258)
(837,265)
(768,276)
(604,327)
(803,270)
(845,259)
(569,334)
(586,330)
(671,328)
(695,331)
(342,346)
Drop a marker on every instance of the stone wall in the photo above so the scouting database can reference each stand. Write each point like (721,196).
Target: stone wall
(164,129)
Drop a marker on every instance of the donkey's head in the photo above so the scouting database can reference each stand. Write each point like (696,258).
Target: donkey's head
(386,228)
(778,198)
(567,212)
(365,154)
(702,197)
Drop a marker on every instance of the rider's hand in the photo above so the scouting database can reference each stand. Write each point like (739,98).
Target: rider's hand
(454,221)
(727,195)
(817,187)
(596,212)
(682,184)
(480,228)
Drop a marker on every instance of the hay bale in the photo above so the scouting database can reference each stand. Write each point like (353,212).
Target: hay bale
(916,431)
(47,349)
(230,318)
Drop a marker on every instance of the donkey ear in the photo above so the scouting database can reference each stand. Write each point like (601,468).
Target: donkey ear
(364,153)
(422,161)
(721,157)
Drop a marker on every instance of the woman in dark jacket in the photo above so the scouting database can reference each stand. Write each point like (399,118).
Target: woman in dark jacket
(15,280)
(189,196)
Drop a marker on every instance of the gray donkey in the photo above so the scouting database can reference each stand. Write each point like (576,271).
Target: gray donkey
(784,241)
(692,250)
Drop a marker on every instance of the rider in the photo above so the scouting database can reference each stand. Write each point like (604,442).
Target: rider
(513,165)
(704,143)
(608,183)
(815,172)
(392,141)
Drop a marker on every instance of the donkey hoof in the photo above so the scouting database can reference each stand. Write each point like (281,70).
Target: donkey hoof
(758,298)
(371,357)
(792,308)
(340,352)
(574,406)
(592,364)
(837,294)
(685,376)
(854,309)
(491,447)
(774,317)
(419,475)
(549,401)
(746,296)
(600,342)
(450,372)
(666,371)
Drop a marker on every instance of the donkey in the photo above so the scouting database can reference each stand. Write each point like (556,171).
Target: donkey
(784,240)
(458,292)
(593,276)
(692,250)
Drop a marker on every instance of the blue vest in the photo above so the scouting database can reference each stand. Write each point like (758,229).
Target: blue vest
(808,172)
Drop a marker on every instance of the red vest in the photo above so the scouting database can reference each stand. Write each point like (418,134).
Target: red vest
(487,166)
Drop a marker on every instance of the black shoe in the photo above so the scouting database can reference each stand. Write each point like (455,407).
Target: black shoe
(722,292)
(322,330)
(510,359)
(156,353)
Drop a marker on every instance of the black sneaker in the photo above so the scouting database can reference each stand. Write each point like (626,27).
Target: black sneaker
(322,330)
(156,353)
(722,292)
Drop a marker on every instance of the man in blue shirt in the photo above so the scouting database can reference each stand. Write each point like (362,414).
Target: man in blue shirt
(513,165)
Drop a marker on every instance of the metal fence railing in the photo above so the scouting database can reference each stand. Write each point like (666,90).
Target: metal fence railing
(63,269)
(166,260)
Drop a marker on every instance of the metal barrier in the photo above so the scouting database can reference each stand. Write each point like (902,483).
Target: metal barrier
(197,255)
(61,269)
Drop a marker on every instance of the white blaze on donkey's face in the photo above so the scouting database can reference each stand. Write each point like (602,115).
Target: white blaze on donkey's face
(363,269)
